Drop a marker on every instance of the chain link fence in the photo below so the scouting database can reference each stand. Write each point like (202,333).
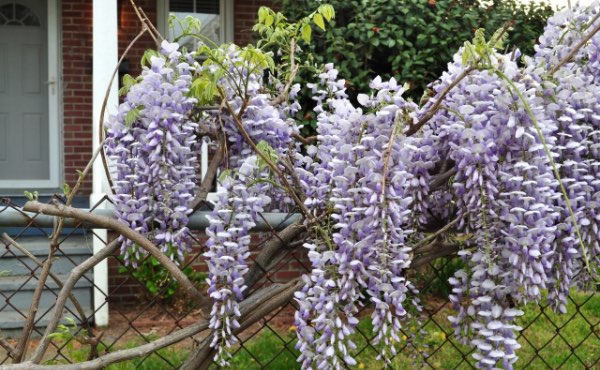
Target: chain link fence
(144,305)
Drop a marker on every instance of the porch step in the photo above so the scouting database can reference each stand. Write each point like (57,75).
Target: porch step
(71,252)
(18,279)
(13,321)
(17,292)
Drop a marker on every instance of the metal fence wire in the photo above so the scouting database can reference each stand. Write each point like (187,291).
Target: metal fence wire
(144,304)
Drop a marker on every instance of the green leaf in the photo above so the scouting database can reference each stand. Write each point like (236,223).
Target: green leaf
(203,89)
(269,20)
(268,151)
(152,288)
(499,39)
(318,19)
(306,32)
(263,11)
(468,54)
(128,82)
(224,174)
(479,42)
(66,189)
(31,196)
(148,54)
(133,115)
(327,11)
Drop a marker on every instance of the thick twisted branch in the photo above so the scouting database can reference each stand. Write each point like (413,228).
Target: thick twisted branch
(267,299)
(68,286)
(68,212)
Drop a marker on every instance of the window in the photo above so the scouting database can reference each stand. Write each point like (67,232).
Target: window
(17,15)
(215,16)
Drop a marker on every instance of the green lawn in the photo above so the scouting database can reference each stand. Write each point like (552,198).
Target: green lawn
(551,335)
(549,341)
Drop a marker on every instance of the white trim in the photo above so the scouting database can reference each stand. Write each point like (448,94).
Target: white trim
(162,16)
(54,108)
(99,241)
(105,57)
(54,93)
(227,20)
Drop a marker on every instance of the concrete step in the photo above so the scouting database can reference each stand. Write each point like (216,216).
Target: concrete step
(18,279)
(72,251)
(12,322)
(16,292)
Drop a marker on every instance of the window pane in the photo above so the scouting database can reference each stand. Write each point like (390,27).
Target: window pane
(206,11)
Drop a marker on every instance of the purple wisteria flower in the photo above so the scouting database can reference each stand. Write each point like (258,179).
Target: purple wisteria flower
(152,148)
(363,255)
(234,215)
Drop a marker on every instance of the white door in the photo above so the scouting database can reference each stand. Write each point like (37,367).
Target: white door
(24,89)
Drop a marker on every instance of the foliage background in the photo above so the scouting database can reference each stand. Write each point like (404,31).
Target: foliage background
(410,40)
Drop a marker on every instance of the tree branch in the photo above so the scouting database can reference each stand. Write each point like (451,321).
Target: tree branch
(270,249)
(412,129)
(441,179)
(61,300)
(304,140)
(263,302)
(7,347)
(209,178)
(435,250)
(22,345)
(283,96)
(63,211)
(272,166)
(575,49)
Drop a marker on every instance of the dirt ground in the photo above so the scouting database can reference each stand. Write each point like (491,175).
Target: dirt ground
(134,325)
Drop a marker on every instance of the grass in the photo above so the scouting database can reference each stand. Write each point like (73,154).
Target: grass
(549,341)
(166,358)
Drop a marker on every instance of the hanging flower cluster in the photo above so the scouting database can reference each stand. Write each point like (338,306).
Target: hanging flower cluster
(571,102)
(501,128)
(363,254)
(262,121)
(151,145)
(235,214)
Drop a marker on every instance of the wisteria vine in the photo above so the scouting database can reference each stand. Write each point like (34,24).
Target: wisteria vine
(152,145)
(516,146)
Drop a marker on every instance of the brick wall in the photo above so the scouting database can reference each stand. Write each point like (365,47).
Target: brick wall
(245,17)
(77,88)
(129,27)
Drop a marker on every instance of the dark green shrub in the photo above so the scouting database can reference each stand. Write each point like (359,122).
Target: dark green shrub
(157,280)
(410,40)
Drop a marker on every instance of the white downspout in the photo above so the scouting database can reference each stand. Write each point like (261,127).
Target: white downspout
(105,58)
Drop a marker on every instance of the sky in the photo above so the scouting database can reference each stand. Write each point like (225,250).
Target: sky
(564,3)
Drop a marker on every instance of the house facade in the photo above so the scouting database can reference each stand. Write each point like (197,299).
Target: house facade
(56,60)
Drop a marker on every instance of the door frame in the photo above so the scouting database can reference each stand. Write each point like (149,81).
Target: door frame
(54,97)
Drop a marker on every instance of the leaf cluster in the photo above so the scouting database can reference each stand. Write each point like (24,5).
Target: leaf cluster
(157,279)
(410,40)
